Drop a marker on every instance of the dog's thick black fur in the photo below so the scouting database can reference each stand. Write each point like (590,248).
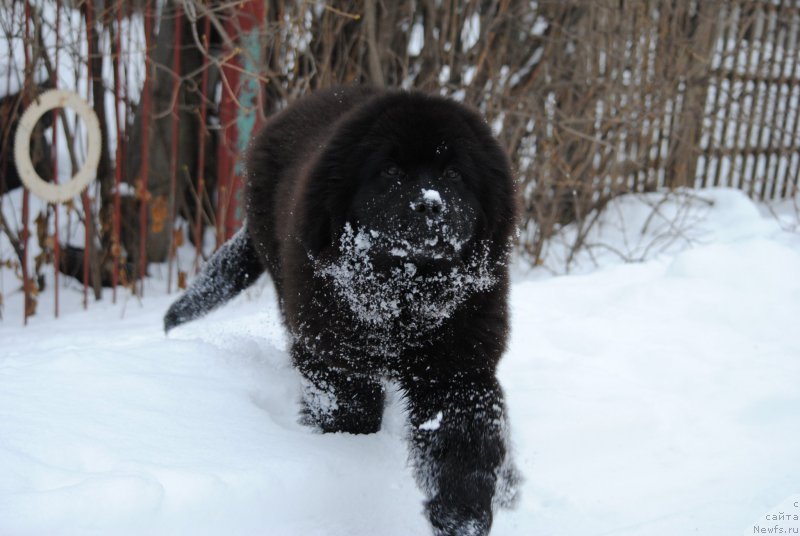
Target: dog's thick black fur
(385,220)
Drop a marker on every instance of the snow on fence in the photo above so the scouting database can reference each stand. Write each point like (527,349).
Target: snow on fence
(592,100)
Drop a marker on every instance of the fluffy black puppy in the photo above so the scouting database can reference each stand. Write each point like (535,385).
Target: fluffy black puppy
(385,220)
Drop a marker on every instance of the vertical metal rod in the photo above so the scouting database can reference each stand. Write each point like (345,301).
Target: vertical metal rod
(26,284)
(227,144)
(201,160)
(224,171)
(8,72)
(176,84)
(87,204)
(145,164)
(54,146)
(87,211)
(116,218)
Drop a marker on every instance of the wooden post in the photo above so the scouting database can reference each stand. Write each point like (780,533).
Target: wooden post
(240,114)
(694,58)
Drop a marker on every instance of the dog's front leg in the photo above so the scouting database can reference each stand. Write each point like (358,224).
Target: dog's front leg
(459,450)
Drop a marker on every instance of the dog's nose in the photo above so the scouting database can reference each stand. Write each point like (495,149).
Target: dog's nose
(429,203)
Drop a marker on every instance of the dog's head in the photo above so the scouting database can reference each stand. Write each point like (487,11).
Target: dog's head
(418,177)
(409,210)
(417,209)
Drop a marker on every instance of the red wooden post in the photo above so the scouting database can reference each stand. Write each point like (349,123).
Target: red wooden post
(240,114)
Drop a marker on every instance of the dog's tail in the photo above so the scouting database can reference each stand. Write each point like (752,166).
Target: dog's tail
(233,268)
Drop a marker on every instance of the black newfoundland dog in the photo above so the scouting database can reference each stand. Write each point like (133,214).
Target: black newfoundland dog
(385,220)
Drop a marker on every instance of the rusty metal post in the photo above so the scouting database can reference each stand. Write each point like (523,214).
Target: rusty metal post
(86,202)
(117,215)
(176,65)
(26,201)
(144,169)
(201,158)
(54,146)
(240,115)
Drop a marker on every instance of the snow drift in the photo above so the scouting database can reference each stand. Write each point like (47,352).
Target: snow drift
(655,398)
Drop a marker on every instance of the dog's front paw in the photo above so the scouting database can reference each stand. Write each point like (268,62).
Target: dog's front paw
(459,519)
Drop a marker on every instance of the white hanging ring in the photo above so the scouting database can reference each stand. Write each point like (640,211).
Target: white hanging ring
(57,193)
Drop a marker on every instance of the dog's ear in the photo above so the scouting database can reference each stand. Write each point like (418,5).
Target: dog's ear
(497,189)
(331,182)
(317,226)
(328,187)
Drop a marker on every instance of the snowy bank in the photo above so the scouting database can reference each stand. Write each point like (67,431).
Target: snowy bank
(651,398)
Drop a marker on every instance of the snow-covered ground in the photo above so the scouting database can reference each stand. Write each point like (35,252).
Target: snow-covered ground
(660,397)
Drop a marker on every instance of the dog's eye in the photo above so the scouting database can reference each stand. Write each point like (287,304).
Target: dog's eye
(393,171)
(452,174)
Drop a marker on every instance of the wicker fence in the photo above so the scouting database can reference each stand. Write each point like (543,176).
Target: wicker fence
(592,100)
(638,95)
